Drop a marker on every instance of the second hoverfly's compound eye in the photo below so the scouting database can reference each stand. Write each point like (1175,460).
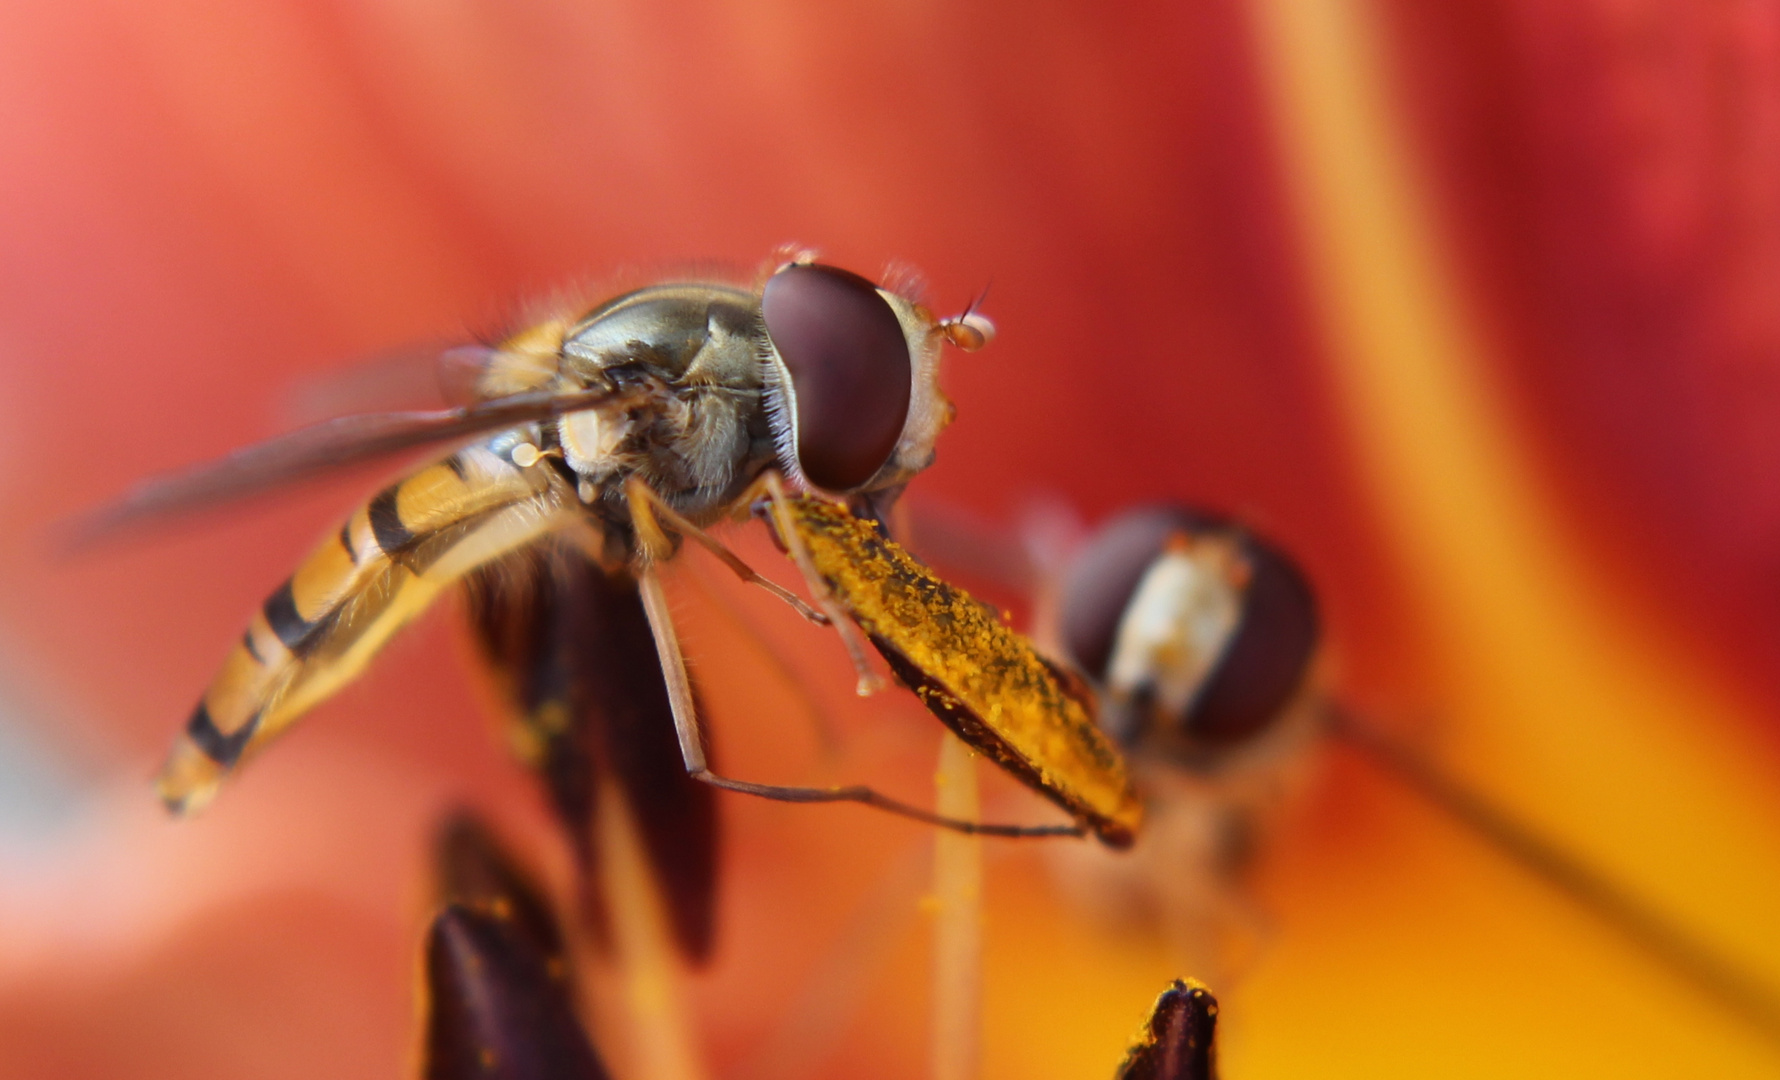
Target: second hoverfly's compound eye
(850,370)
(1260,658)
(1101,581)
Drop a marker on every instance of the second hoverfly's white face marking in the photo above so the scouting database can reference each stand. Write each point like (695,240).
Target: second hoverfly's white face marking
(1178,623)
(1115,598)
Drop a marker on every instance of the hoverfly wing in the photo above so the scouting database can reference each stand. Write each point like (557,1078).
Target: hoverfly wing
(517,613)
(676,815)
(318,449)
(571,646)
(422,375)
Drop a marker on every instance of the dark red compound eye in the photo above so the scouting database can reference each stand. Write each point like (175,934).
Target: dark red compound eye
(850,369)
(1270,650)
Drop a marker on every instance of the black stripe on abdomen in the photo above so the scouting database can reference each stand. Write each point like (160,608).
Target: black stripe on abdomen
(298,634)
(225,750)
(386,522)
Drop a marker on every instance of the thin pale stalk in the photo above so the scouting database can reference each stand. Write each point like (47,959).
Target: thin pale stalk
(958,920)
(659,1033)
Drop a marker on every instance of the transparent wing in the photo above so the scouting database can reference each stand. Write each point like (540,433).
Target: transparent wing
(419,375)
(318,449)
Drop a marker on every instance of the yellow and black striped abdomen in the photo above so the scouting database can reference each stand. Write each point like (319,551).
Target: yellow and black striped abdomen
(317,631)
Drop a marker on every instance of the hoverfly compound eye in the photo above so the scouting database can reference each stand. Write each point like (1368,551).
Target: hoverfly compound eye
(850,370)
(1101,582)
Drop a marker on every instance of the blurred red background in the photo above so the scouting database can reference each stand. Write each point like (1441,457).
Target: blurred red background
(200,206)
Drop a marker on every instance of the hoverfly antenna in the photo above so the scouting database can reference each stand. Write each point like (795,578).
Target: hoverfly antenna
(970,330)
(972,307)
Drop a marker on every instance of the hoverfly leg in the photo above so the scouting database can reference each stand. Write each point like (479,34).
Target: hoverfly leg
(870,682)
(647,506)
(673,672)
(673,666)
(742,623)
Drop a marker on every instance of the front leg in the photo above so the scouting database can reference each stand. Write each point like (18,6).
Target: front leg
(870,682)
(692,751)
(646,507)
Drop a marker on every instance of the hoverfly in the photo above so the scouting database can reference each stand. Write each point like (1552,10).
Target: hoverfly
(601,439)
(1200,637)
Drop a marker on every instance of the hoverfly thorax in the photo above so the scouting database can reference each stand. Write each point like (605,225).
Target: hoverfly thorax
(851,378)
(1199,634)
(697,342)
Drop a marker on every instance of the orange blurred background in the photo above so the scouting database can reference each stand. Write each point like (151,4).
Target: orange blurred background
(1472,306)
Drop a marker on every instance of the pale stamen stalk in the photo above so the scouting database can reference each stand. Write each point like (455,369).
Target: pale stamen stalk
(660,1043)
(958,919)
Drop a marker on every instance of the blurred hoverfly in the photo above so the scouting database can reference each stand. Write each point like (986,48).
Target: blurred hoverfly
(1200,638)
